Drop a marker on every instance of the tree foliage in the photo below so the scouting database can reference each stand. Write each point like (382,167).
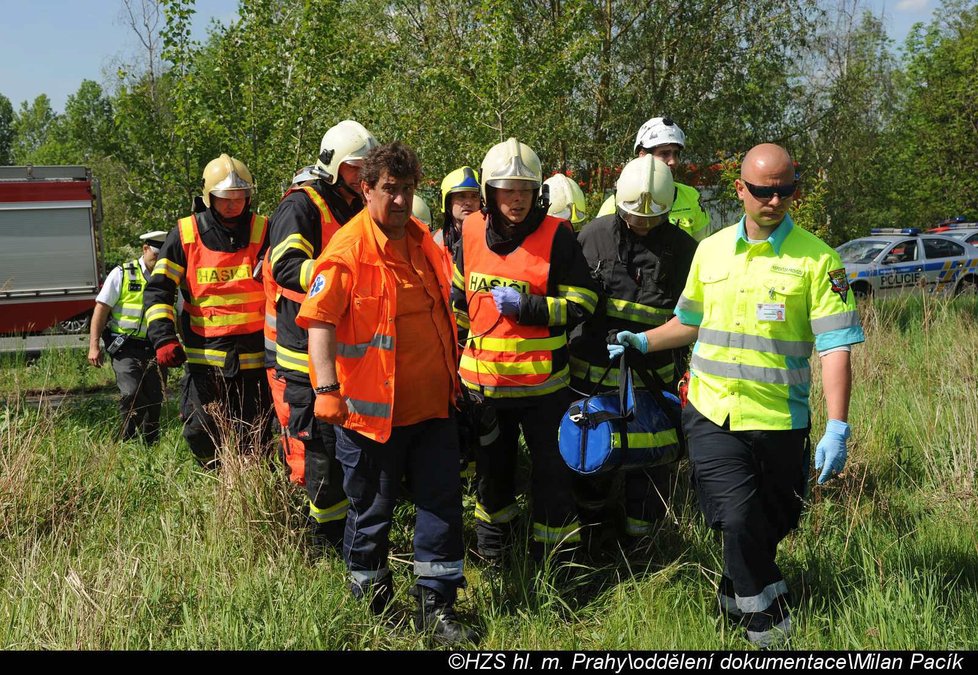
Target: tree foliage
(880,140)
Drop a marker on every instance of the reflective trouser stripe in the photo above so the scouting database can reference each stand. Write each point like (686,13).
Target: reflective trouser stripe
(335,512)
(762,601)
(251,360)
(363,577)
(438,569)
(503,515)
(773,636)
(636,527)
(553,535)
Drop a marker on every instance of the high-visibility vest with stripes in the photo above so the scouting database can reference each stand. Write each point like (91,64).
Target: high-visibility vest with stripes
(762,311)
(127,314)
(502,358)
(225,298)
(272,291)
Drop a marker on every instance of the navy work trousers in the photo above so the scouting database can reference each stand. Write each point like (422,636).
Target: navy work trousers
(426,454)
(751,487)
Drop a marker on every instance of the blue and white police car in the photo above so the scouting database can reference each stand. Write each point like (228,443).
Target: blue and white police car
(892,261)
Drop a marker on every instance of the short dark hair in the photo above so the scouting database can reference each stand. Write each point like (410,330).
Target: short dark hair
(397,159)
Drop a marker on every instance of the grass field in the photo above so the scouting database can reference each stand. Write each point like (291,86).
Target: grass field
(108,545)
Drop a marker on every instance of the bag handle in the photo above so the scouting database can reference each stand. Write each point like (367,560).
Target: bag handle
(632,360)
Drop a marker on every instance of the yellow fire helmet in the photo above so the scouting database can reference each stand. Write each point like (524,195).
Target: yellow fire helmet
(511,165)
(421,211)
(645,188)
(462,179)
(347,142)
(566,199)
(227,177)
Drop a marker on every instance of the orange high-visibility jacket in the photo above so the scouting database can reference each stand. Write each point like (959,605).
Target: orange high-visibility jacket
(366,335)
(225,298)
(501,356)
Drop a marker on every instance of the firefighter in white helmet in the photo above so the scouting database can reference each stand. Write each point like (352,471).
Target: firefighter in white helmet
(662,138)
(211,257)
(567,200)
(301,227)
(520,284)
(641,261)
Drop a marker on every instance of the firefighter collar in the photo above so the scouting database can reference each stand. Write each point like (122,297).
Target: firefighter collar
(776,239)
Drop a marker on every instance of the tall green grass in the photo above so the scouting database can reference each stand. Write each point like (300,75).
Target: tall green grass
(109,545)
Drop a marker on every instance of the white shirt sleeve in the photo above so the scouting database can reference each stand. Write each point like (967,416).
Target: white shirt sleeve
(842,348)
(111,289)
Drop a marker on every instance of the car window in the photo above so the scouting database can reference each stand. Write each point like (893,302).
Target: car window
(861,250)
(941,248)
(973,239)
(902,252)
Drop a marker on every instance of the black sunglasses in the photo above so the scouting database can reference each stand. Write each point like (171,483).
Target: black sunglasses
(768,191)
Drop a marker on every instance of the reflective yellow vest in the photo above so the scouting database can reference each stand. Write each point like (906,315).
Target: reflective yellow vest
(761,308)
(686,212)
(127,313)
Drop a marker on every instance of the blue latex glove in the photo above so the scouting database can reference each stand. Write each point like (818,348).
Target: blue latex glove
(507,300)
(625,338)
(831,450)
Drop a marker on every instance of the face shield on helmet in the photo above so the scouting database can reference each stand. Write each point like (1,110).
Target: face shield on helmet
(566,200)
(227,177)
(421,211)
(659,131)
(511,165)
(644,192)
(346,143)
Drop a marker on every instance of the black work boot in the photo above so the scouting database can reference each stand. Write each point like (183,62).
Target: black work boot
(379,593)
(436,615)
(494,540)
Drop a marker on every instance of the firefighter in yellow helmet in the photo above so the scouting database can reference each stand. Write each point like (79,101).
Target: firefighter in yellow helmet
(641,261)
(459,199)
(302,225)
(662,138)
(520,284)
(210,257)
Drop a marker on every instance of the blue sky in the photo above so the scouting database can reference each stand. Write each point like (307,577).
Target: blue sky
(50,46)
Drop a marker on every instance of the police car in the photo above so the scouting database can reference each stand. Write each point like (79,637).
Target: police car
(958,229)
(893,261)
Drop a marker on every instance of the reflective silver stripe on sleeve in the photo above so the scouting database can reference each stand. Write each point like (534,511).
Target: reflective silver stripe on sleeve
(368,408)
(687,305)
(722,338)
(739,371)
(356,351)
(835,322)
(270,345)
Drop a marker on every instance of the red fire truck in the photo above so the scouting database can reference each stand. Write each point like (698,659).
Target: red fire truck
(50,247)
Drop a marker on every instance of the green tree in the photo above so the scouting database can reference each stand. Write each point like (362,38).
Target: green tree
(6,130)
(32,128)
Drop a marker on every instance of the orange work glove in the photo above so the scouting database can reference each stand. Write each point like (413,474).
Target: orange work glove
(331,408)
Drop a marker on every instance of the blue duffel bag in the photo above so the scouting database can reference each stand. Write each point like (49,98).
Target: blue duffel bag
(626,429)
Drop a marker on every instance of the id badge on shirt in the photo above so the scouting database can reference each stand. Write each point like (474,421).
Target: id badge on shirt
(770,311)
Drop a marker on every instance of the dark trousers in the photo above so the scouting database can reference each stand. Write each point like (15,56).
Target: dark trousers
(426,454)
(646,494)
(751,486)
(323,474)
(141,382)
(554,511)
(225,412)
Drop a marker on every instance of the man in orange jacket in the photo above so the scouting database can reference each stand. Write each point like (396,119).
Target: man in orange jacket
(382,354)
